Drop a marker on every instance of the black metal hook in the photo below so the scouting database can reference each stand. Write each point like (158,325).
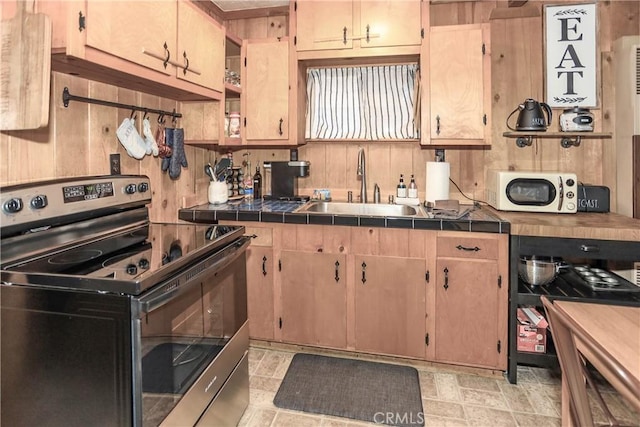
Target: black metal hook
(174,120)
(133,115)
(161,119)
(146,113)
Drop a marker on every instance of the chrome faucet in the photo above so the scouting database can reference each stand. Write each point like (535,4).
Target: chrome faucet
(362,172)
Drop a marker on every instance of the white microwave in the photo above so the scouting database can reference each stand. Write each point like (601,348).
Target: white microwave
(532,191)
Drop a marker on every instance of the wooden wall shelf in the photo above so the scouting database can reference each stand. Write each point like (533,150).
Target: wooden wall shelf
(567,139)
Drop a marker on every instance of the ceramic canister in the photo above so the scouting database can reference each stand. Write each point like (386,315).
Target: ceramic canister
(218,192)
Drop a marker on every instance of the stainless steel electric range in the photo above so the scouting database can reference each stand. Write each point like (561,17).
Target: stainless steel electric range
(108,319)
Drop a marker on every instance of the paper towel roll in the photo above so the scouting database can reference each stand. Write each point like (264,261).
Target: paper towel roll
(437,186)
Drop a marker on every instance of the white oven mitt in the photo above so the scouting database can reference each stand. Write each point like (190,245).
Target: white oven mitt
(131,139)
(150,141)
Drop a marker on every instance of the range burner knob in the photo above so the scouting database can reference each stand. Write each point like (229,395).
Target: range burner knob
(12,205)
(143,187)
(132,269)
(143,264)
(130,189)
(39,202)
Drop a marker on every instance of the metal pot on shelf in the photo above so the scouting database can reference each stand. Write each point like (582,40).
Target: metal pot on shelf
(539,270)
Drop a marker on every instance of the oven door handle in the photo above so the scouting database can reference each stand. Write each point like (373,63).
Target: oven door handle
(175,286)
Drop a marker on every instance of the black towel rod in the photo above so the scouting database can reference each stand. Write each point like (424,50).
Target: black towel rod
(66,97)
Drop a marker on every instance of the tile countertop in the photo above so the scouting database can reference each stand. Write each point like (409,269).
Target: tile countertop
(478,220)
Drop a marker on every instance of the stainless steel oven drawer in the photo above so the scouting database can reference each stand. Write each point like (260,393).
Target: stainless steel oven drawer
(199,396)
(232,400)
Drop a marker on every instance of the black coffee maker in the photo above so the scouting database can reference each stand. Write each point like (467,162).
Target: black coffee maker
(284,179)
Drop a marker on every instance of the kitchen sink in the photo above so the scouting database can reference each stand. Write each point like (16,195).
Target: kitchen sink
(361,209)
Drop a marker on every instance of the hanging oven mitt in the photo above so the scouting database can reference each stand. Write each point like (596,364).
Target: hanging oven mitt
(168,138)
(130,139)
(163,149)
(178,158)
(150,142)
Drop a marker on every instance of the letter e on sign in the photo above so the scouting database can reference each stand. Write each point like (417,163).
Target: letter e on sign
(570,55)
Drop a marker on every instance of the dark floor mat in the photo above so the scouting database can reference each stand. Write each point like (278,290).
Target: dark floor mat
(375,392)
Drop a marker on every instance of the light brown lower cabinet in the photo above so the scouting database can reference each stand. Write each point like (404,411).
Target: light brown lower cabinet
(260,292)
(470,296)
(314,298)
(436,296)
(390,305)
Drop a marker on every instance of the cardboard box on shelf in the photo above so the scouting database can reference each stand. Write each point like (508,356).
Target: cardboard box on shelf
(532,330)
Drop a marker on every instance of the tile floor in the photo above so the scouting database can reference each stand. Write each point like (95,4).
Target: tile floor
(450,397)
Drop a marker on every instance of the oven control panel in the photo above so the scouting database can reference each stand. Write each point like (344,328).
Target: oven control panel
(36,202)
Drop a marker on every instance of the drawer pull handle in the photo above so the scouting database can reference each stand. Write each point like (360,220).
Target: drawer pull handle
(464,248)
(337,271)
(344,35)
(589,248)
(280,127)
(446,279)
(364,274)
(264,265)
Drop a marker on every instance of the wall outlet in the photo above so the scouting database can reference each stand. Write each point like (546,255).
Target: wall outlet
(114,164)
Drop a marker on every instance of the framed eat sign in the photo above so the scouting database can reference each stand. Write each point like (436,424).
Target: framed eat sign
(570,55)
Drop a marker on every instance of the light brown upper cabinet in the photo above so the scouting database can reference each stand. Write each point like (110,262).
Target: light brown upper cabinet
(200,47)
(456,106)
(138,45)
(266,91)
(333,29)
(124,30)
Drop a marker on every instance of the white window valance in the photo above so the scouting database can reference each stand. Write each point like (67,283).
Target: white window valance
(362,103)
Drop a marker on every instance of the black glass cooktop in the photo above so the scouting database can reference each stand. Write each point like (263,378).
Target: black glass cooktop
(137,258)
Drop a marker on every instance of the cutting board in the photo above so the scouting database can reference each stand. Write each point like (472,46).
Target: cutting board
(25,69)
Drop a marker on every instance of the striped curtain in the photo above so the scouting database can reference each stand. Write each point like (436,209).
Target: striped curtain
(367,103)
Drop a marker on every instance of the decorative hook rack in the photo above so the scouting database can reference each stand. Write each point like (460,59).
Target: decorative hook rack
(66,97)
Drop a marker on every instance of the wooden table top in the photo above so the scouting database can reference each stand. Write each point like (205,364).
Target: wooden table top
(581,225)
(615,328)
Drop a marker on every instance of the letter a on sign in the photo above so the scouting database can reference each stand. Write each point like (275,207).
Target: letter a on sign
(570,70)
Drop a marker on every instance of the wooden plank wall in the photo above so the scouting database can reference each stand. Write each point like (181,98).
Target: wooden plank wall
(517,73)
(80,138)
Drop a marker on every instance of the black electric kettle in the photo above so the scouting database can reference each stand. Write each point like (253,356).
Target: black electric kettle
(531,116)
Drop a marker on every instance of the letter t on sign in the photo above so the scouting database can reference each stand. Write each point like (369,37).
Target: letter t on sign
(570,56)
